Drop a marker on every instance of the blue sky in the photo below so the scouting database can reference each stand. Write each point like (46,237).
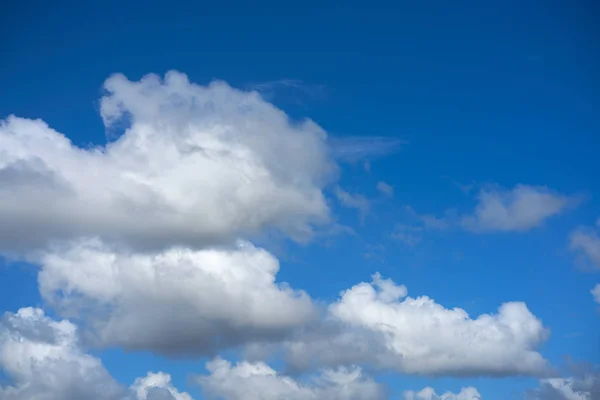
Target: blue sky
(481,117)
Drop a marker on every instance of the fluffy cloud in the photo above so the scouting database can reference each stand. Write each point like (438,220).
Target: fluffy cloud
(376,323)
(258,381)
(197,165)
(43,359)
(468,393)
(586,387)
(520,209)
(178,301)
(586,243)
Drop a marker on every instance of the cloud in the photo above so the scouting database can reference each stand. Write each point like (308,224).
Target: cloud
(376,324)
(585,242)
(385,188)
(174,302)
(596,293)
(586,387)
(43,359)
(358,148)
(198,165)
(350,200)
(258,381)
(519,209)
(467,393)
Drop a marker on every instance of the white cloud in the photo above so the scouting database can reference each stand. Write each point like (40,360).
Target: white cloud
(43,359)
(467,393)
(178,301)
(520,209)
(385,188)
(596,293)
(356,148)
(198,165)
(586,387)
(375,323)
(586,243)
(258,381)
(349,200)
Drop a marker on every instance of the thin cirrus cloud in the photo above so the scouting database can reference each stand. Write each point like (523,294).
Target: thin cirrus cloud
(45,361)
(378,325)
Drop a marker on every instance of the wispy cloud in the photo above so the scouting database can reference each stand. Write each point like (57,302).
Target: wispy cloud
(356,148)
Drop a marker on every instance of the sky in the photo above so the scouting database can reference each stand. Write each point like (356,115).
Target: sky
(304,201)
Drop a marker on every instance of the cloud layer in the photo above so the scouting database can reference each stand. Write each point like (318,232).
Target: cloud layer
(196,166)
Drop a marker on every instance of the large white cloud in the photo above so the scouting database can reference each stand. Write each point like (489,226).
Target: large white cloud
(258,381)
(44,361)
(467,393)
(375,323)
(519,209)
(177,301)
(197,165)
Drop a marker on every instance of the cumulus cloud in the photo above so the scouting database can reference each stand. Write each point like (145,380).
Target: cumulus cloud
(177,301)
(385,188)
(197,165)
(586,387)
(585,242)
(467,393)
(519,209)
(377,324)
(44,361)
(258,381)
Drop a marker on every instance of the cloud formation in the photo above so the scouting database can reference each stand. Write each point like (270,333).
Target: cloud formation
(178,301)
(258,381)
(586,387)
(519,209)
(44,361)
(585,242)
(196,166)
(467,393)
(377,324)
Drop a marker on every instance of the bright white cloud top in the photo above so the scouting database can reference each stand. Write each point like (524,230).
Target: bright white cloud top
(377,324)
(196,166)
